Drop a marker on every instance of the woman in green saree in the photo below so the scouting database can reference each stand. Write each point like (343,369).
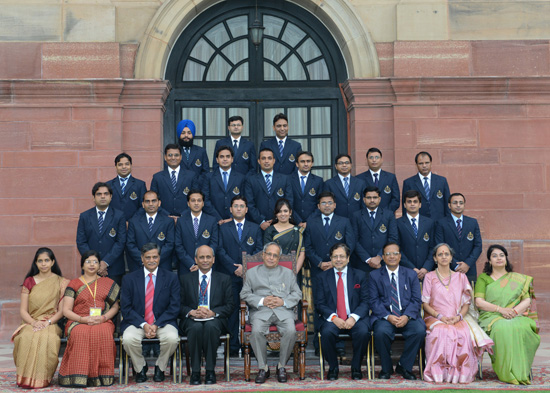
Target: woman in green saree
(507,313)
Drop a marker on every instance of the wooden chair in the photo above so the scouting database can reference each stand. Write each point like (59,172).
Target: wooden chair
(347,337)
(288,261)
(124,358)
(224,339)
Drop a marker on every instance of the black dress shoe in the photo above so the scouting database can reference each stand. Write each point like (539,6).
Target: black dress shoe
(341,352)
(159,375)
(141,376)
(384,375)
(210,378)
(356,374)
(195,379)
(404,373)
(281,374)
(262,376)
(332,374)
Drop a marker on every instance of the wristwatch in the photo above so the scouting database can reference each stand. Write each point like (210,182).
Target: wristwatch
(49,321)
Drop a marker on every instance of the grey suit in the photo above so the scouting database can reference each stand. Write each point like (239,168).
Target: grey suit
(281,282)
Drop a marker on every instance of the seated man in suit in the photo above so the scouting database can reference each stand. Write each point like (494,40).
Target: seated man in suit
(395,300)
(150,304)
(305,188)
(206,303)
(194,158)
(243,149)
(285,149)
(271,293)
(342,300)
(462,234)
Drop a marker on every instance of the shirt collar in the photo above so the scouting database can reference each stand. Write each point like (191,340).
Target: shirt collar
(97,211)
(375,210)
(222,171)
(237,222)
(329,216)
(147,271)
(208,275)
(342,178)
(429,176)
(154,216)
(283,140)
(177,170)
(120,178)
(344,271)
(373,172)
(396,271)
(233,139)
(265,173)
(411,217)
(458,218)
(193,216)
(300,175)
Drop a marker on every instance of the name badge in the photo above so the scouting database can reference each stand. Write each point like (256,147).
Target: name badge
(95,311)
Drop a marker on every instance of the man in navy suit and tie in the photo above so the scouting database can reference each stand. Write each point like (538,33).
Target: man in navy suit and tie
(221,185)
(127,190)
(342,301)
(194,158)
(150,227)
(373,227)
(237,236)
(433,188)
(385,181)
(244,150)
(103,229)
(264,189)
(173,183)
(150,305)
(462,234)
(194,229)
(347,189)
(416,236)
(305,188)
(285,149)
(395,301)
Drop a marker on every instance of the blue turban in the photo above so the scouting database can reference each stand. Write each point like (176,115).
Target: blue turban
(186,123)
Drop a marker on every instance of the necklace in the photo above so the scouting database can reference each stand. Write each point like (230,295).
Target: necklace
(441,278)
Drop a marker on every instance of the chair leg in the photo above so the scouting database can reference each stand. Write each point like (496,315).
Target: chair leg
(120,362)
(321,360)
(421,364)
(480,367)
(302,360)
(126,368)
(226,354)
(178,352)
(372,355)
(174,368)
(247,362)
(187,363)
(368,360)
(296,359)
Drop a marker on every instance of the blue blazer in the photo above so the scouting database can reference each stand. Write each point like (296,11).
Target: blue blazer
(467,248)
(244,159)
(305,204)
(371,240)
(109,243)
(325,293)
(318,244)
(416,252)
(287,163)
(186,243)
(131,201)
(261,203)
(438,205)
(230,249)
(174,202)
(380,293)
(198,160)
(389,188)
(166,302)
(217,199)
(347,205)
(138,234)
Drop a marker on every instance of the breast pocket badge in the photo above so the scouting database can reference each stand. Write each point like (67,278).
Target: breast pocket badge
(383,228)
(280,192)
(133,196)
(112,232)
(198,162)
(312,192)
(236,191)
(206,234)
(245,156)
(387,190)
(161,237)
(338,236)
(470,236)
(291,158)
(439,194)
(426,237)
(250,241)
(356,196)
(186,190)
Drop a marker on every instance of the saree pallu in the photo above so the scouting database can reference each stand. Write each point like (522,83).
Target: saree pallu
(36,354)
(516,340)
(89,359)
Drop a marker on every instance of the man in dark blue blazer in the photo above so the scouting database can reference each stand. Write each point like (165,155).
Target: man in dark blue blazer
(305,188)
(221,185)
(385,181)
(373,227)
(103,229)
(285,149)
(416,245)
(245,161)
(237,236)
(194,158)
(174,183)
(341,300)
(194,229)
(463,235)
(150,226)
(395,301)
(127,190)
(433,188)
(150,305)
(261,199)
(347,189)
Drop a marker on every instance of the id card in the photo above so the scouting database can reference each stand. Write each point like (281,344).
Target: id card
(95,311)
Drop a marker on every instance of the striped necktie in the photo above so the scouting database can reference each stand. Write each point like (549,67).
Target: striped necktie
(459,227)
(427,188)
(281,148)
(346,185)
(240,230)
(225,180)
(303,183)
(122,185)
(203,292)
(268,183)
(150,224)
(149,296)
(174,180)
(395,310)
(415,228)
(196,226)
(100,222)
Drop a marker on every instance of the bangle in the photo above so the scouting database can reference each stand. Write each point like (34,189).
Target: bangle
(332,319)
(516,311)
(79,319)
(498,308)
(438,316)
(460,315)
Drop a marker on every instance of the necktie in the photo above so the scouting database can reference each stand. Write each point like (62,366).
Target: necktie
(268,183)
(303,183)
(341,299)
(187,153)
(346,185)
(459,227)
(202,293)
(123,185)
(150,224)
(372,218)
(225,180)
(174,181)
(240,230)
(376,179)
(196,226)
(327,225)
(394,297)
(100,221)
(235,146)
(281,147)
(149,296)
(415,228)
(427,188)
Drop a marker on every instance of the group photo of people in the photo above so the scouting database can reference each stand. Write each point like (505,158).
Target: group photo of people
(373,257)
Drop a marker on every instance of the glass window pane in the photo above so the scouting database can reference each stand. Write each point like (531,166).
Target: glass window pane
(293,70)
(236,51)
(320,120)
(318,71)
(272,25)
(297,119)
(242,112)
(219,68)
(240,73)
(271,73)
(238,26)
(202,51)
(320,147)
(293,34)
(269,114)
(218,35)
(274,51)
(210,145)
(324,173)
(216,121)
(193,71)
(302,141)
(195,115)
(309,50)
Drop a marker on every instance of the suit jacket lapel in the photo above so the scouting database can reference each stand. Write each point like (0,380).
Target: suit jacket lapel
(167,178)
(420,186)
(107,221)
(350,284)
(116,186)
(332,287)
(157,288)
(219,179)
(409,226)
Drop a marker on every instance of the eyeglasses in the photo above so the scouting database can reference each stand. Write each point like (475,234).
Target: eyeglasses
(271,255)
(91,262)
(388,254)
(326,203)
(343,163)
(337,257)
(173,155)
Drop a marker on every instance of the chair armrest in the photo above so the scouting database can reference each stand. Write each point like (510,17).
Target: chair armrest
(243,308)
(304,313)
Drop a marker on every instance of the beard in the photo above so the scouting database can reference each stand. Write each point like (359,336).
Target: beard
(185,143)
